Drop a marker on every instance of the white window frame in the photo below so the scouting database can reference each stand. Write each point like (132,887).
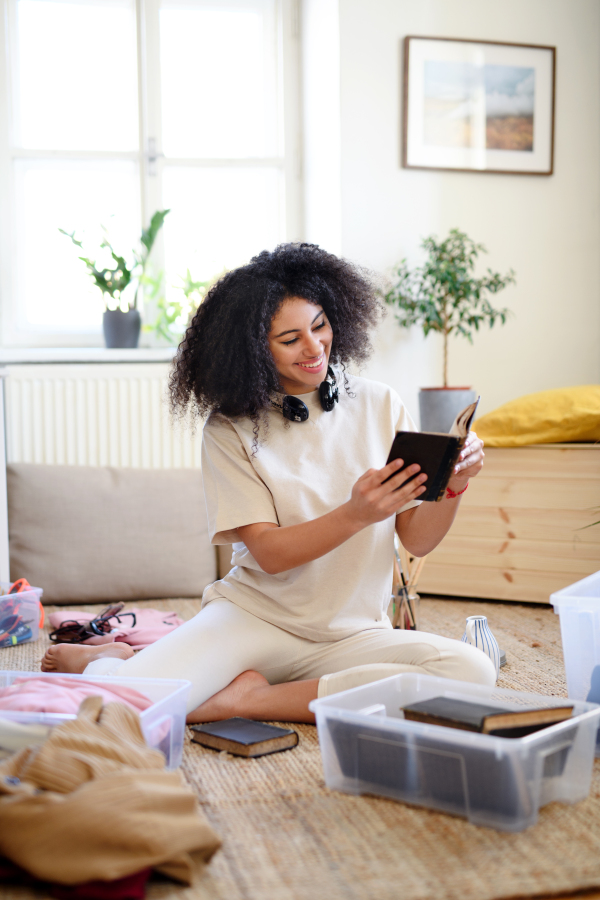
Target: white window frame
(149,157)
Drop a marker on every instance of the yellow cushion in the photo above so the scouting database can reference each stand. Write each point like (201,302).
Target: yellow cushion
(548,417)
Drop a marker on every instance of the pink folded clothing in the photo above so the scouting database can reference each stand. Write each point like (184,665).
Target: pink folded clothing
(150,626)
(64,695)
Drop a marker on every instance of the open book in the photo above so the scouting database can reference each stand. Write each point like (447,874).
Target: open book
(436,453)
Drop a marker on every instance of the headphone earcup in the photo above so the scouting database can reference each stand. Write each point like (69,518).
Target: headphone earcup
(328,391)
(294,410)
(326,395)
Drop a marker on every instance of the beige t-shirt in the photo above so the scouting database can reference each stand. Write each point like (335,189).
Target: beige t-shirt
(300,472)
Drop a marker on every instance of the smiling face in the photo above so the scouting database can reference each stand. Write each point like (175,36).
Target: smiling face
(300,341)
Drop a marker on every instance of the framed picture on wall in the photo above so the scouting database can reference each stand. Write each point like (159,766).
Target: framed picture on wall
(478,106)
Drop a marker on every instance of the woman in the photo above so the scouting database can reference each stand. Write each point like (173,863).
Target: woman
(296,480)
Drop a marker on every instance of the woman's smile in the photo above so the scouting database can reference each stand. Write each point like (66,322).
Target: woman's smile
(313,365)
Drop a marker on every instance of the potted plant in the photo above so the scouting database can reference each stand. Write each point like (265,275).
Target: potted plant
(443,296)
(173,316)
(121,327)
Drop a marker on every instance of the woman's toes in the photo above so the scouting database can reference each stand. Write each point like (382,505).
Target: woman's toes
(73,658)
(48,662)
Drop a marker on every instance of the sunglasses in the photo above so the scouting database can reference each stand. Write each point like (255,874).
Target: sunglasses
(73,632)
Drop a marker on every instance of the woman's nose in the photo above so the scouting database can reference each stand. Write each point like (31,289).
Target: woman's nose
(313,345)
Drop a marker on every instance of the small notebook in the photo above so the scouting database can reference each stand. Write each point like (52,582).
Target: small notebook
(436,453)
(244,737)
(485,718)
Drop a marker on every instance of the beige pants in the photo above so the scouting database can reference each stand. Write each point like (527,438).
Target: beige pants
(224,640)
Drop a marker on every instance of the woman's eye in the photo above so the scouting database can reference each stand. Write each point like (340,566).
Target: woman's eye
(316,328)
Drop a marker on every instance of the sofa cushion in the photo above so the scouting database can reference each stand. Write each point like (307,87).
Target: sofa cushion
(93,534)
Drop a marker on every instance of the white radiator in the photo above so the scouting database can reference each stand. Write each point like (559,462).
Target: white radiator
(105,414)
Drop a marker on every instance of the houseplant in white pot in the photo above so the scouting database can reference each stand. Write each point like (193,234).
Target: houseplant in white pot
(443,296)
(121,326)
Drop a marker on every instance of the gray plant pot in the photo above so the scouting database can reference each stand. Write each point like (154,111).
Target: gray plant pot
(121,329)
(440,406)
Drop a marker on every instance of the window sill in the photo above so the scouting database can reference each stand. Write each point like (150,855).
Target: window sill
(84,355)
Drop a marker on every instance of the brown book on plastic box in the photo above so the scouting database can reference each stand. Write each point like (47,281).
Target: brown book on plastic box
(483,717)
(244,737)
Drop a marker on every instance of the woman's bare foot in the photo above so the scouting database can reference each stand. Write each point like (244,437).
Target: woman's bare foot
(250,695)
(230,700)
(74,658)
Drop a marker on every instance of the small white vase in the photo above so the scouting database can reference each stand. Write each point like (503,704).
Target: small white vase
(478,634)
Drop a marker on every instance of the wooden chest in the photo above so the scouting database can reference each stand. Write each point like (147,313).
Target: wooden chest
(520,532)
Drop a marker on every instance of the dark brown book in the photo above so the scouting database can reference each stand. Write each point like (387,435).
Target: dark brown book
(470,715)
(244,737)
(437,454)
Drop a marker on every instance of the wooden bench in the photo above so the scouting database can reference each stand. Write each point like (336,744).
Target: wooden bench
(520,532)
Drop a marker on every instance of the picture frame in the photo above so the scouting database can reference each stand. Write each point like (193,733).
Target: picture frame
(478,106)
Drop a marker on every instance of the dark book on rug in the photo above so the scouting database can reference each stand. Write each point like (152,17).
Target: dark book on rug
(437,454)
(485,718)
(244,737)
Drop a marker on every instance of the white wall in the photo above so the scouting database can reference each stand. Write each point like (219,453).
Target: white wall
(546,228)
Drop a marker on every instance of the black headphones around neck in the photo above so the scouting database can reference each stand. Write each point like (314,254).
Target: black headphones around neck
(296,411)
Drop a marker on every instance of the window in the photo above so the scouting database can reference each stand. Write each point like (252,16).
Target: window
(117,108)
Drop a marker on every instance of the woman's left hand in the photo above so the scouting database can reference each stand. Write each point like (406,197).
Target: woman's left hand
(470,462)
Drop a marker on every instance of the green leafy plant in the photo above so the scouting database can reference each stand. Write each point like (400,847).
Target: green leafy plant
(173,316)
(112,281)
(443,295)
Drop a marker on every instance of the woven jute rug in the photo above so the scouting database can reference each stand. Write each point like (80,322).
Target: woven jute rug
(286,837)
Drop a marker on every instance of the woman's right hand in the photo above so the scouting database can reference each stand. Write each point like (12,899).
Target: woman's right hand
(375,498)
(278,548)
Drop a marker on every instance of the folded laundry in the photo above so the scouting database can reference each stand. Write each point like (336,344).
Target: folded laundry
(15,735)
(64,695)
(145,627)
(95,803)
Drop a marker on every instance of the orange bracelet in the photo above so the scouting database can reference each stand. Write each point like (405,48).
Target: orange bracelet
(450,494)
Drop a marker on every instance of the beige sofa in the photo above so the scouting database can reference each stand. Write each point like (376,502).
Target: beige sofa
(98,534)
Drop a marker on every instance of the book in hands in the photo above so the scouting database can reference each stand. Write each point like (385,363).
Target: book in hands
(244,737)
(436,453)
(484,718)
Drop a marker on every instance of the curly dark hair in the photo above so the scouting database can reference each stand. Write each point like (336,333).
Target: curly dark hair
(224,363)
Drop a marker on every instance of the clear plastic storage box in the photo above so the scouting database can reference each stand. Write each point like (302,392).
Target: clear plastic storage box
(369,748)
(579,609)
(26,605)
(163,723)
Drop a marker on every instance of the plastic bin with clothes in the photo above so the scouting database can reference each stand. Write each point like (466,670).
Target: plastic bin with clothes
(163,721)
